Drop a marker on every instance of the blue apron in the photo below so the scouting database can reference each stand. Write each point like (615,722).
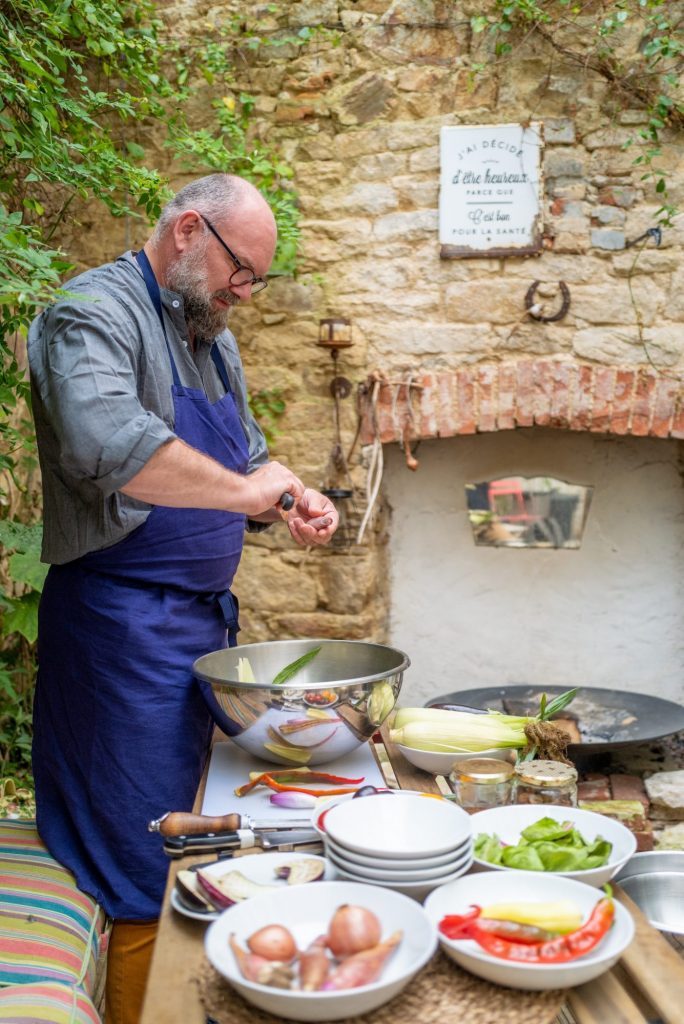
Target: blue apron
(121,731)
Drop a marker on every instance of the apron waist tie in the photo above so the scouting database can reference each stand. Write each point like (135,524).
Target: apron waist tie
(230,609)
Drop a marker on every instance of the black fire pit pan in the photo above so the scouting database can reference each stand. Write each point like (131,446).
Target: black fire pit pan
(606,719)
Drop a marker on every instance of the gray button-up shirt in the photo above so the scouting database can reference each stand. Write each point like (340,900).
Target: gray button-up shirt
(101,383)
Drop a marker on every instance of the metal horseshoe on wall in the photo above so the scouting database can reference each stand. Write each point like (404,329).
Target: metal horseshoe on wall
(565,306)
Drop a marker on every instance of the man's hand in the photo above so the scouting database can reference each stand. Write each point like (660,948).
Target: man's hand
(266,486)
(313,518)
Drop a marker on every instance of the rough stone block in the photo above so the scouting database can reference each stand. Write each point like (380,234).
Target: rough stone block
(380,166)
(666,793)
(484,300)
(312,12)
(411,225)
(607,138)
(371,198)
(670,838)
(367,98)
(571,241)
(609,215)
(605,345)
(602,238)
(598,304)
(563,163)
(559,130)
(424,160)
(280,585)
(617,195)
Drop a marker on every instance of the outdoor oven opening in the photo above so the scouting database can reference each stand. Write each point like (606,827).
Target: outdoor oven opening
(606,614)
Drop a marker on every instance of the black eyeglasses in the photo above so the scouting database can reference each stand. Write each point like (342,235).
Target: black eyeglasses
(242,275)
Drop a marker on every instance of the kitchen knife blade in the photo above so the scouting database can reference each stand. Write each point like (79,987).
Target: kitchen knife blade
(240,839)
(182,823)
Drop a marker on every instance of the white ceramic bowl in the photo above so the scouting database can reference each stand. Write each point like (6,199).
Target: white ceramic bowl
(320,811)
(441,764)
(402,825)
(393,863)
(416,890)
(508,823)
(483,889)
(388,875)
(307,911)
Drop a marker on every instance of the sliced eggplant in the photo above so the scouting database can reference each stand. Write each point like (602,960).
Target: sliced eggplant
(300,871)
(228,889)
(190,894)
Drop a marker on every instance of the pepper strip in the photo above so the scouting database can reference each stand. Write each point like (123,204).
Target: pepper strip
(453,926)
(555,951)
(280,788)
(297,775)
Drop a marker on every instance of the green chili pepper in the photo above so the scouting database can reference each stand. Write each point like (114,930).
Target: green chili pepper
(293,668)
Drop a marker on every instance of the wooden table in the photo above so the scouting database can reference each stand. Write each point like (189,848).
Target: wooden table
(645,987)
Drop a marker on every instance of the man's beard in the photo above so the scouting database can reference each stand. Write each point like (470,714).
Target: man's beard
(187,276)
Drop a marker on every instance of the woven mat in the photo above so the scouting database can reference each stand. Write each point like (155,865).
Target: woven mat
(441,994)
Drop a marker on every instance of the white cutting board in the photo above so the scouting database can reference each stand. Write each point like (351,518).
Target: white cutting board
(230,766)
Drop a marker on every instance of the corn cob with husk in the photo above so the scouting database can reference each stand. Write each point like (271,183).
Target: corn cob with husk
(440,730)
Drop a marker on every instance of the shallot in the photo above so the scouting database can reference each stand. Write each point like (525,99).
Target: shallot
(314,965)
(362,968)
(259,969)
(273,942)
(351,930)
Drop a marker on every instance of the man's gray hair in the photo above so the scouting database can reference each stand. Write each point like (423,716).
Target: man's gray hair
(214,196)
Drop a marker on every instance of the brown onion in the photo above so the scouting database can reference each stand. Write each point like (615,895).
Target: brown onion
(274,942)
(352,930)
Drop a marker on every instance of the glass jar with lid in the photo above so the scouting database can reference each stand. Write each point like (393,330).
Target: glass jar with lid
(482,782)
(546,782)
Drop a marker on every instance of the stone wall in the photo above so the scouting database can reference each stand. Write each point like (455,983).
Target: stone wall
(357,111)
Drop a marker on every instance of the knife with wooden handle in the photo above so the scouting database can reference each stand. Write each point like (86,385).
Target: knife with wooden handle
(240,839)
(182,823)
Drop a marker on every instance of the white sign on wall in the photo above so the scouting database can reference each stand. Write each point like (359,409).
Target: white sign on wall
(490,191)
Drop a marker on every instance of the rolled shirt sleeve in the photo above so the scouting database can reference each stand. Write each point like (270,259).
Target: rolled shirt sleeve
(86,373)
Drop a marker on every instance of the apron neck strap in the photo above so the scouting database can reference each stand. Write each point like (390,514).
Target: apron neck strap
(155,298)
(221,367)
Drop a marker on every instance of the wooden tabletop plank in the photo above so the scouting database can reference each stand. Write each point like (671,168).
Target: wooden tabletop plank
(603,1001)
(653,965)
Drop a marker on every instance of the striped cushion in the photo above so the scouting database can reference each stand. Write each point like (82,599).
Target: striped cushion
(46,1003)
(49,930)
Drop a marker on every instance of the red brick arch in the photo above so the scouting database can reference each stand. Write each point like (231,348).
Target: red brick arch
(561,393)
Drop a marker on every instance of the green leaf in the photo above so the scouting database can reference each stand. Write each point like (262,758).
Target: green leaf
(558,704)
(26,567)
(22,616)
(294,667)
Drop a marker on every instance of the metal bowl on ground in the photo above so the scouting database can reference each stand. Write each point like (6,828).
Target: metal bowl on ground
(655,881)
(332,705)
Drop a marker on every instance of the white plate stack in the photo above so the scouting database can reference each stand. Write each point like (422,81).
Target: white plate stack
(404,841)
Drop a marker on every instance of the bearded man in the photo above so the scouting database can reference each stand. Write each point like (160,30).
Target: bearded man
(152,466)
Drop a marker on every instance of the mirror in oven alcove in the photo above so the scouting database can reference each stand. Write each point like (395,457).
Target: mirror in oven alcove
(528,512)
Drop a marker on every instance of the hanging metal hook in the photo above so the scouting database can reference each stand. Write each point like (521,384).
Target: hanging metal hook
(655,233)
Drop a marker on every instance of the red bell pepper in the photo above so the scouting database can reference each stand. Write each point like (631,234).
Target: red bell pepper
(551,951)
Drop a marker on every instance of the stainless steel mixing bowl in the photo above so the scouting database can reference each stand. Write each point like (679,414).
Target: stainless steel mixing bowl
(655,881)
(332,705)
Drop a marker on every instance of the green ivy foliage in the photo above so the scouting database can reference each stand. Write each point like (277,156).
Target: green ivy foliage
(83,85)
